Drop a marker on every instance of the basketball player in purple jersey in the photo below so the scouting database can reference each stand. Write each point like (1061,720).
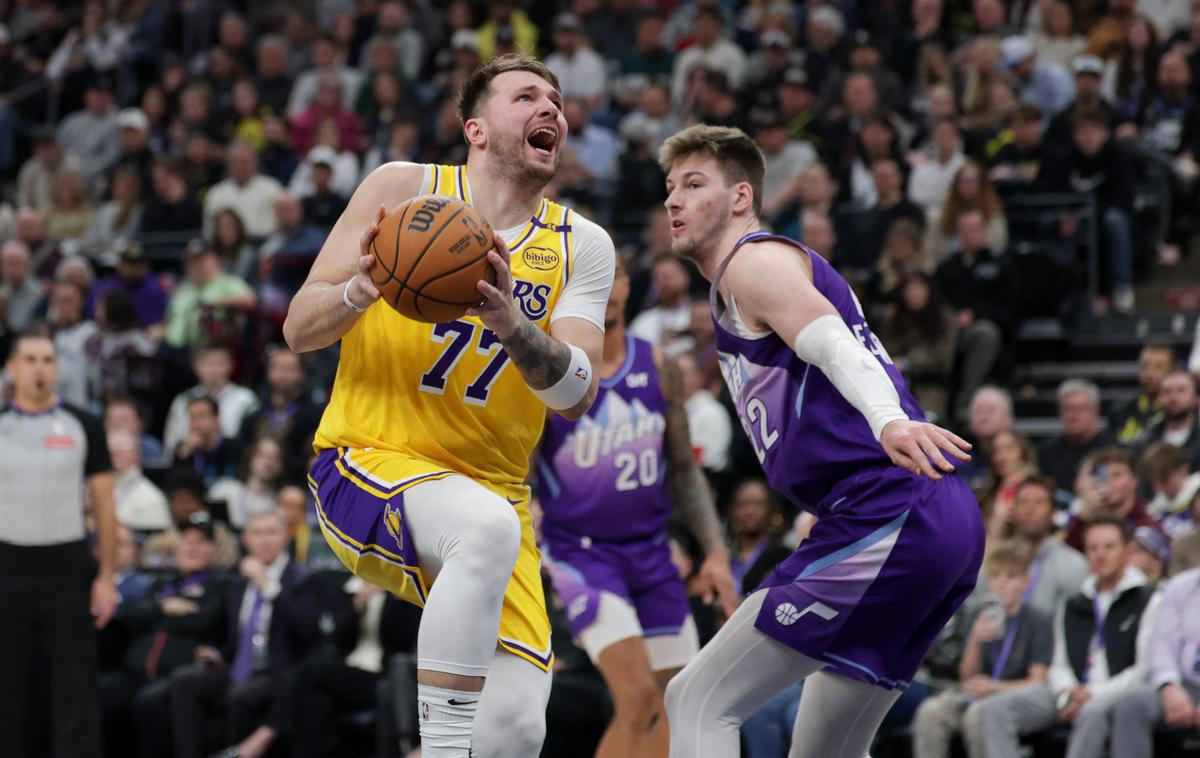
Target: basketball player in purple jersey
(606,484)
(899,539)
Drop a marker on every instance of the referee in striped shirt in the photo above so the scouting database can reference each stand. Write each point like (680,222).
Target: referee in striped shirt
(52,596)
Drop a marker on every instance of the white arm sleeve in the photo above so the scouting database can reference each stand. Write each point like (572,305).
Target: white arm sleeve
(828,344)
(585,295)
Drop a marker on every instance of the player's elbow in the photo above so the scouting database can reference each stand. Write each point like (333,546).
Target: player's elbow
(575,412)
(294,335)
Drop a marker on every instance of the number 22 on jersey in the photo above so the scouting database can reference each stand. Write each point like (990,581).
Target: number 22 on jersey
(458,336)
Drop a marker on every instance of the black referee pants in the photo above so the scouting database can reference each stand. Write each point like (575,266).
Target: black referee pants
(46,633)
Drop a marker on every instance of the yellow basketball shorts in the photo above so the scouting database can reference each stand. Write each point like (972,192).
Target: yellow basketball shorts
(360,507)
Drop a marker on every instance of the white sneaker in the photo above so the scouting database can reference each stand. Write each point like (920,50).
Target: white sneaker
(1123,300)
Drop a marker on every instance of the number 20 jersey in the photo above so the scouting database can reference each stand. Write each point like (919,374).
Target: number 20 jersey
(806,435)
(603,477)
(447,394)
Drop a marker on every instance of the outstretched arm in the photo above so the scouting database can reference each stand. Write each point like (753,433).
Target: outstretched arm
(691,494)
(774,290)
(340,277)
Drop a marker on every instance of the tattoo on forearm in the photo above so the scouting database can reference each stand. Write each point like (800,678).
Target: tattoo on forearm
(540,358)
(685,481)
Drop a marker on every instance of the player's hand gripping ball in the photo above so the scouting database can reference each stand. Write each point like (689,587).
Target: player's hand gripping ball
(431,253)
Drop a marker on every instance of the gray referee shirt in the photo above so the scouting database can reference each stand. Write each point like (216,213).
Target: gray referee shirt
(45,460)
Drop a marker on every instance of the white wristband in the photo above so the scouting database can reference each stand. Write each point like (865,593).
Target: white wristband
(828,344)
(574,384)
(346,296)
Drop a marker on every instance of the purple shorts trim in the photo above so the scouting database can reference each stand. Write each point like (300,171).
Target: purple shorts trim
(872,587)
(640,572)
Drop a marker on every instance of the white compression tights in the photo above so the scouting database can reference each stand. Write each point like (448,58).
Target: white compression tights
(741,669)
(466,537)
(511,721)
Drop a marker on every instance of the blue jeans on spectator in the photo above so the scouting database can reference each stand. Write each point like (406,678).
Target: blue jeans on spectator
(1118,242)
(768,733)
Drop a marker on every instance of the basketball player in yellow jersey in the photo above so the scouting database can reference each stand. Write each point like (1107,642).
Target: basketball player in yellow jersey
(425,444)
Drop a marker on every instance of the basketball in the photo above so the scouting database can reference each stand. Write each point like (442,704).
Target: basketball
(430,253)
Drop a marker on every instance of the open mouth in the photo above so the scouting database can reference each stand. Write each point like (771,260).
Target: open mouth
(543,139)
(677,224)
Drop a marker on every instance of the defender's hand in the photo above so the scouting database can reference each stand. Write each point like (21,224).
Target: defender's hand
(716,582)
(913,444)
(499,312)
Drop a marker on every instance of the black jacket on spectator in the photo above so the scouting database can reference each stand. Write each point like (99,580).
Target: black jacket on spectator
(1060,132)
(160,643)
(160,216)
(295,617)
(1172,127)
(1155,432)
(323,210)
(984,284)
(212,465)
(294,425)
(274,92)
(868,230)
(1121,626)
(1059,459)
(1110,174)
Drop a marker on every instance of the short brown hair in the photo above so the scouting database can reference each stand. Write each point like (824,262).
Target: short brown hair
(1107,456)
(1105,519)
(737,155)
(1040,480)
(479,82)
(1010,554)
(1162,460)
(1027,113)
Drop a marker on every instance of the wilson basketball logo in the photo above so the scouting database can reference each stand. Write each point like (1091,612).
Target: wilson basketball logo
(423,217)
(786,614)
(541,258)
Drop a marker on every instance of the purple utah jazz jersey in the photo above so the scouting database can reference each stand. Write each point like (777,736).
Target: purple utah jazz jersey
(603,476)
(806,435)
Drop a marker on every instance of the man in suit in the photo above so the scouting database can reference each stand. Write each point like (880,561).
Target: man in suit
(271,619)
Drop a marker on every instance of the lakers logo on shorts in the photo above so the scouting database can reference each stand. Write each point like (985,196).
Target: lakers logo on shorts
(391,518)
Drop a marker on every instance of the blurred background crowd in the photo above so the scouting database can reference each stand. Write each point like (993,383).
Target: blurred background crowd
(1009,185)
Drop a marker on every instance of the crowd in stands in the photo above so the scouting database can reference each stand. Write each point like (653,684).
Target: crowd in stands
(168,172)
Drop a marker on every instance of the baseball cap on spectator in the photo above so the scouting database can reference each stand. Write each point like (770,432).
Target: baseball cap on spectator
(128,250)
(465,39)
(201,522)
(1015,49)
(322,154)
(796,77)
(1154,543)
(1087,64)
(766,117)
(197,247)
(862,38)
(828,17)
(133,118)
(775,38)
(567,22)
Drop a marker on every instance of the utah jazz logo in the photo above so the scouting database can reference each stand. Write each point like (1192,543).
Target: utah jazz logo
(423,217)
(391,518)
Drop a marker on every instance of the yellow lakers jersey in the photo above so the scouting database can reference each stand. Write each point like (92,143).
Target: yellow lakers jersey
(447,393)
